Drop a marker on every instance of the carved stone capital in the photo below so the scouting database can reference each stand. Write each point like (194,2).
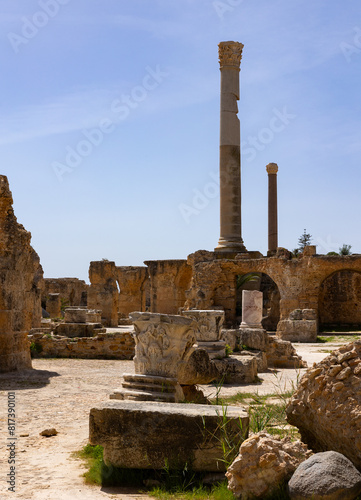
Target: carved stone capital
(230,54)
(272,168)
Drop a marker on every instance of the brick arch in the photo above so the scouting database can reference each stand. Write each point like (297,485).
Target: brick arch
(339,304)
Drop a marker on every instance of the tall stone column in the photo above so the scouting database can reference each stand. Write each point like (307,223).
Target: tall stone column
(272,169)
(230,54)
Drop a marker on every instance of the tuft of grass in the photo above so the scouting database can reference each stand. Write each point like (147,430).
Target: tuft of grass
(323,339)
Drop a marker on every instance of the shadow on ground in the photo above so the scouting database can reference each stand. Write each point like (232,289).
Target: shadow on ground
(26,379)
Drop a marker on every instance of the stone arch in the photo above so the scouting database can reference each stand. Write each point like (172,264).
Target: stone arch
(339,302)
(271,298)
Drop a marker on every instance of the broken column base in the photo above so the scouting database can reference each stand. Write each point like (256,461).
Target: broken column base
(152,435)
(237,369)
(137,387)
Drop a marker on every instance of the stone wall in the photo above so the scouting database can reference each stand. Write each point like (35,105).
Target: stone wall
(103,291)
(340,301)
(72,291)
(134,289)
(298,281)
(103,346)
(21,278)
(169,280)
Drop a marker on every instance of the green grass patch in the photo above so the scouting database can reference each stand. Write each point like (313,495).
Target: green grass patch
(344,339)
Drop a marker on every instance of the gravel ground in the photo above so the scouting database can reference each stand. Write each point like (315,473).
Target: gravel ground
(59,393)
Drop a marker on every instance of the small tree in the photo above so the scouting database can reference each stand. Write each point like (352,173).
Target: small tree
(304,240)
(345,250)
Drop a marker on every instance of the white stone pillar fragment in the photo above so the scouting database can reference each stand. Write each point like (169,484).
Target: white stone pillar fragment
(252,309)
(230,54)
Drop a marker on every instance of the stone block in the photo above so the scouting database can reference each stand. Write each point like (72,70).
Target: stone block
(254,338)
(53,305)
(297,330)
(72,330)
(208,324)
(75,315)
(260,357)
(150,435)
(237,369)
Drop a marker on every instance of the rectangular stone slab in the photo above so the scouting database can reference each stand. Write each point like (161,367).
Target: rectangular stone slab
(150,435)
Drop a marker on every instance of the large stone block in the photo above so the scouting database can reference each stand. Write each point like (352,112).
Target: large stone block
(254,338)
(150,435)
(252,308)
(237,369)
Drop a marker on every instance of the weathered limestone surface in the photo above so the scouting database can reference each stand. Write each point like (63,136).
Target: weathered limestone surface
(21,277)
(72,291)
(255,338)
(208,324)
(282,354)
(327,475)
(169,280)
(102,346)
(134,289)
(340,300)
(150,435)
(326,407)
(103,292)
(237,369)
(199,369)
(264,461)
(302,326)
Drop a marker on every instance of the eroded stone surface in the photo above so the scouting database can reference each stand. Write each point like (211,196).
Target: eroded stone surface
(326,407)
(264,461)
(150,435)
(21,278)
(252,308)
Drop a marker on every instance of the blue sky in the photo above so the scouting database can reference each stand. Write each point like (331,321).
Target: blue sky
(110,123)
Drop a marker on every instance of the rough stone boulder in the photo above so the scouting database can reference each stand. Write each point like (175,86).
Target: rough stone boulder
(326,407)
(263,463)
(325,476)
(199,369)
(152,435)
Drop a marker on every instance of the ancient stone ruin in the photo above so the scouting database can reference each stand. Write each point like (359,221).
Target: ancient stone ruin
(21,281)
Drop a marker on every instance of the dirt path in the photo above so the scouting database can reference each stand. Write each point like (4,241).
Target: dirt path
(59,393)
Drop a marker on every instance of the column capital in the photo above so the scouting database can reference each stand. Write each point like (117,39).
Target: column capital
(230,54)
(272,168)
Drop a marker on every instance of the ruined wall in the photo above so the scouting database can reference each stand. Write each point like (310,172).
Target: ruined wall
(21,278)
(340,301)
(298,281)
(169,280)
(103,291)
(134,289)
(72,291)
(103,346)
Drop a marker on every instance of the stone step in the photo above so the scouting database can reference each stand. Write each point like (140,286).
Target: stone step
(170,389)
(143,396)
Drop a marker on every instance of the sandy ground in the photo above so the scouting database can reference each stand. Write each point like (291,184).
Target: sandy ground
(59,393)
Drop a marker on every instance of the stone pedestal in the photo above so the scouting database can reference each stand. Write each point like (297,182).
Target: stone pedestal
(301,326)
(252,309)
(163,345)
(53,305)
(230,54)
(75,315)
(208,331)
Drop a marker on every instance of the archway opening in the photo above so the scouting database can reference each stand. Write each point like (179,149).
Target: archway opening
(271,297)
(339,303)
